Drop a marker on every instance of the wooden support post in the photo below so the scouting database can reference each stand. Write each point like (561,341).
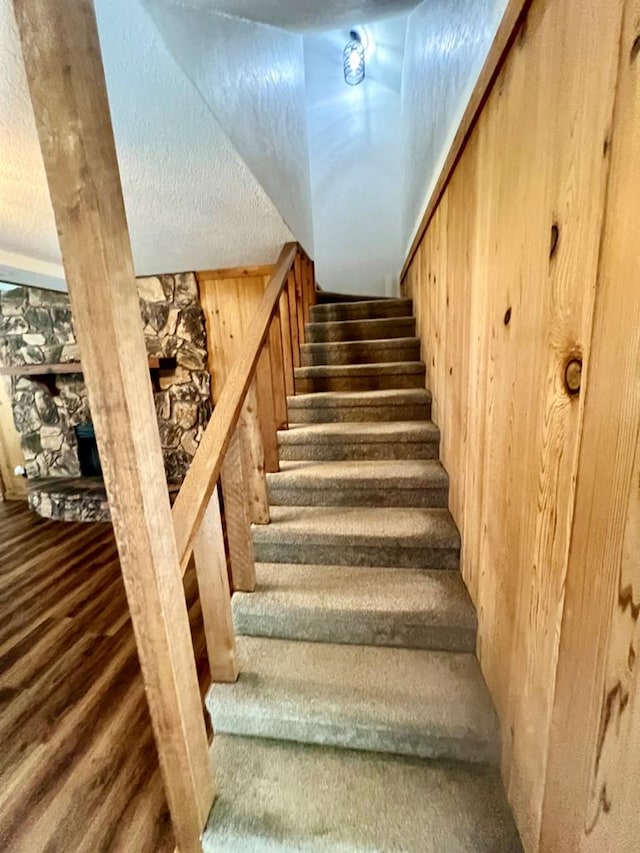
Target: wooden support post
(266,411)
(299,298)
(66,80)
(252,450)
(287,348)
(277,373)
(293,318)
(213,585)
(243,571)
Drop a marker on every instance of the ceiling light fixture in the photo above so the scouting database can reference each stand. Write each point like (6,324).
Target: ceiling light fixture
(353,57)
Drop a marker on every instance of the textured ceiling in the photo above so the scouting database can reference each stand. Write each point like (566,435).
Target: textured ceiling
(305,15)
(182,179)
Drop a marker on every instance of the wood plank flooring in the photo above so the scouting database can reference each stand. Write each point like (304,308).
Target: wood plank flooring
(78,765)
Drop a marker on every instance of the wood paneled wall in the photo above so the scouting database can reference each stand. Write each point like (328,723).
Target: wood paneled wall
(229,299)
(527,284)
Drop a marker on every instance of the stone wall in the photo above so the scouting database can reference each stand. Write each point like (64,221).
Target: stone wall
(36,327)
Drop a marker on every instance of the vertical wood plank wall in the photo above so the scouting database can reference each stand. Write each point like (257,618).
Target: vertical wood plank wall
(510,284)
(229,300)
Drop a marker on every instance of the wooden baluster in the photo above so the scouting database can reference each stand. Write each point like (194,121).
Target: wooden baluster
(243,570)
(277,374)
(299,298)
(304,279)
(311,283)
(266,412)
(252,450)
(215,599)
(287,348)
(66,80)
(293,318)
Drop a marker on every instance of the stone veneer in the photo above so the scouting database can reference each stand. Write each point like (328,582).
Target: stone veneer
(36,327)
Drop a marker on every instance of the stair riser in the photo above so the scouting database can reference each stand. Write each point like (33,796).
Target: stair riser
(311,385)
(358,353)
(359,330)
(372,629)
(357,414)
(333,451)
(344,496)
(360,311)
(258,722)
(350,554)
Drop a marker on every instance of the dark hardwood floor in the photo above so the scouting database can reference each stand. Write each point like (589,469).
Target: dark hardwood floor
(78,766)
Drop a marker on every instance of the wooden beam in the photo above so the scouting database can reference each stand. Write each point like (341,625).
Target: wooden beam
(512,18)
(238,272)
(68,92)
(213,584)
(153,362)
(198,486)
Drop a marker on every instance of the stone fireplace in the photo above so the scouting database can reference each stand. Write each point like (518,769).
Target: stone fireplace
(51,408)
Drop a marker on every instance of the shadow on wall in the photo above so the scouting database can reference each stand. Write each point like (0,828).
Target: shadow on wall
(447,44)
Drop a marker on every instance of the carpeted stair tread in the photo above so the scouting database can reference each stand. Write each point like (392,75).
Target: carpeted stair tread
(412,608)
(360,352)
(390,536)
(429,704)
(360,377)
(368,310)
(360,330)
(409,404)
(406,482)
(279,797)
(360,440)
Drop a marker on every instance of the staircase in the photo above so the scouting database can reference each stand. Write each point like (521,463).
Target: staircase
(360,721)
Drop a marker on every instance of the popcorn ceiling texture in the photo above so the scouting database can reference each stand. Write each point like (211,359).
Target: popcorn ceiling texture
(191,201)
(252,78)
(36,327)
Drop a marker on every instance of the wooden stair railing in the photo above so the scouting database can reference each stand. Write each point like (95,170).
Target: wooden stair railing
(200,483)
(233,449)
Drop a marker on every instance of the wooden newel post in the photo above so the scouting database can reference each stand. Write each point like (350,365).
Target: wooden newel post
(68,92)
(213,584)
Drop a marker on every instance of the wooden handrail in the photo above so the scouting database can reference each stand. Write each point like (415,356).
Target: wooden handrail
(200,482)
